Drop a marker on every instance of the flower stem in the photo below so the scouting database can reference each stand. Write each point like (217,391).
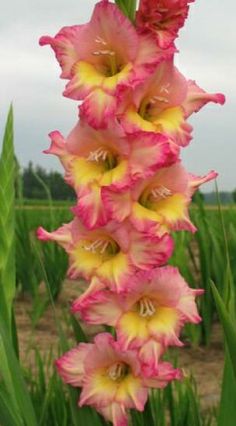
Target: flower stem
(128,7)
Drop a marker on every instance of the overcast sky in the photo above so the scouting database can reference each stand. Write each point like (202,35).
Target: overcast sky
(29,75)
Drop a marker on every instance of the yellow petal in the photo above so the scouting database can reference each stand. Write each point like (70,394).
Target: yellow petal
(133,326)
(84,260)
(163,321)
(114,175)
(170,119)
(115,268)
(171,208)
(84,172)
(134,118)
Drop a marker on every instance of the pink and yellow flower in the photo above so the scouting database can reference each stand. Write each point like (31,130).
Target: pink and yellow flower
(109,158)
(112,253)
(162,19)
(111,379)
(122,159)
(158,204)
(93,58)
(163,103)
(149,316)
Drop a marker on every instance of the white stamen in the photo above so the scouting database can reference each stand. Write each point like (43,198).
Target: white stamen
(146,308)
(97,245)
(100,40)
(104,52)
(99,154)
(165,88)
(159,99)
(161,192)
(116,371)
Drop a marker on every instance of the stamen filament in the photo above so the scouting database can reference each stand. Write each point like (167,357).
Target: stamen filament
(117,371)
(159,99)
(99,154)
(161,192)
(98,245)
(104,52)
(165,88)
(146,307)
(99,39)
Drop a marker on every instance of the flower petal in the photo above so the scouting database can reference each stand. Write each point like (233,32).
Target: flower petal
(71,365)
(90,208)
(98,389)
(64,46)
(98,108)
(197,98)
(131,393)
(117,204)
(149,152)
(62,235)
(100,307)
(115,413)
(165,374)
(116,271)
(150,251)
(149,354)
(162,19)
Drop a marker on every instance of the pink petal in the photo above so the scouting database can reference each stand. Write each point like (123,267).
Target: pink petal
(117,204)
(62,236)
(165,374)
(150,251)
(90,208)
(162,18)
(64,46)
(197,98)
(149,152)
(101,307)
(115,413)
(149,355)
(98,108)
(71,365)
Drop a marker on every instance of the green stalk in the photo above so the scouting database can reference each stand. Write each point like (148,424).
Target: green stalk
(128,7)
(7,221)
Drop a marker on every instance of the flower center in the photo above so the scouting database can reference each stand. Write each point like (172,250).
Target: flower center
(118,371)
(109,56)
(146,307)
(102,246)
(101,154)
(157,101)
(159,193)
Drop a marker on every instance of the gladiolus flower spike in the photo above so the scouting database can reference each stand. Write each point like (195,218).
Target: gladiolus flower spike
(123,159)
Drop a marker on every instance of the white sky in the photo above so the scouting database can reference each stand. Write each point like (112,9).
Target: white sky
(29,75)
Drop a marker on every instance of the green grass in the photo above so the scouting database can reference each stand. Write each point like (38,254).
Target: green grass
(44,203)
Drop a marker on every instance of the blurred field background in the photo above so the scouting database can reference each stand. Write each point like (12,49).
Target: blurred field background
(200,257)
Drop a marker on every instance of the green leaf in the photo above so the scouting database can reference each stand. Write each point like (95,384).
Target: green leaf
(12,376)
(131,7)
(227,411)
(78,331)
(147,414)
(143,418)
(128,7)
(7,220)
(228,326)
(8,416)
